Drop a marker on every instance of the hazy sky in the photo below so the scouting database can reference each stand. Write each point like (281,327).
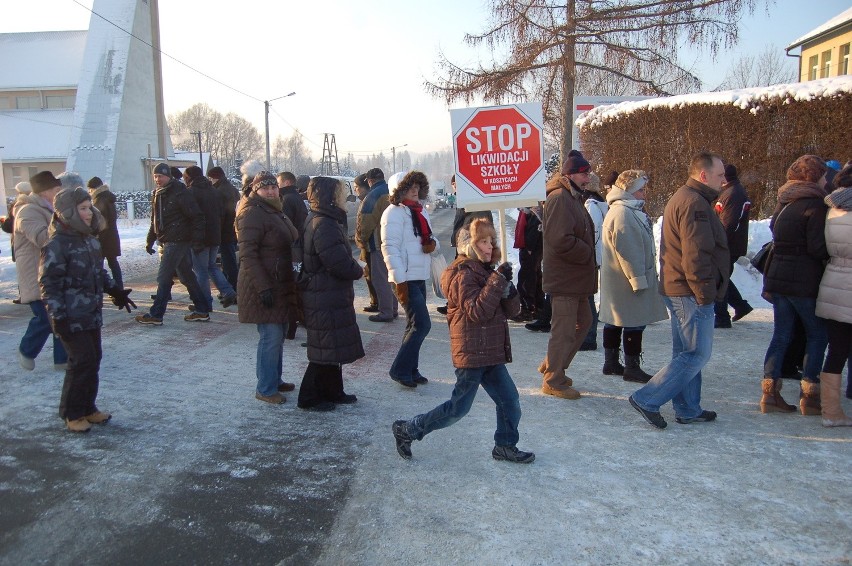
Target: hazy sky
(322,50)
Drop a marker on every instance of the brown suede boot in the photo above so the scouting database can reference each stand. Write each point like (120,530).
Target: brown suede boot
(78,425)
(809,403)
(772,402)
(98,417)
(832,411)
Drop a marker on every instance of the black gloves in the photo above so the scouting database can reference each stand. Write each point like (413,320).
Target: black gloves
(121,298)
(150,249)
(267,298)
(505,270)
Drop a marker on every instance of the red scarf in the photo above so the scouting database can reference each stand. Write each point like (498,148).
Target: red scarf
(421,226)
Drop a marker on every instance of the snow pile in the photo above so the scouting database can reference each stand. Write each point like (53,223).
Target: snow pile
(742,98)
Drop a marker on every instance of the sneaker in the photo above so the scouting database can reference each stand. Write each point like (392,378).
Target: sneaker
(60,367)
(420,380)
(78,425)
(371,308)
(655,419)
(442,310)
(285,387)
(321,407)
(403,439)
(738,314)
(148,319)
(404,382)
(344,399)
(512,454)
(229,301)
(704,417)
(98,417)
(275,398)
(538,326)
(379,318)
(26,363)
(197,317)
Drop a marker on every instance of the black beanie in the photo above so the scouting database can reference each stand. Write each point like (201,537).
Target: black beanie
(576,163)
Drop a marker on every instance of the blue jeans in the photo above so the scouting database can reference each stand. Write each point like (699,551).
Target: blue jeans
(270,357)
(497,383)
(405,366)
(176,258)
(205,268)
(692,344)
(230,267)
(785,309)
(36,335)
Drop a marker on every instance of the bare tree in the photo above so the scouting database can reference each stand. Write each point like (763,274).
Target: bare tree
(291,154)
(548,41)
(766,68)
(198,118)
(239,139)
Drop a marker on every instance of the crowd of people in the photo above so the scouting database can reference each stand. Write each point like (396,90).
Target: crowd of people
(286,260)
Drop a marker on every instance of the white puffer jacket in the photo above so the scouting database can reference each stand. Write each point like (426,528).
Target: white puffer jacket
(835,287)
(32,218)
(403,252)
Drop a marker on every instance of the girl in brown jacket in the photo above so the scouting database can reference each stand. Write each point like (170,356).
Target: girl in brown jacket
(478,301)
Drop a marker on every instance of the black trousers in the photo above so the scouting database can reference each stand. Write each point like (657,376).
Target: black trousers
(81,378)
(529,280)
(321,382)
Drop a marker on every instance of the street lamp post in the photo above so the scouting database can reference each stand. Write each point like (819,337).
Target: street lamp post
(266,117)
(393,149)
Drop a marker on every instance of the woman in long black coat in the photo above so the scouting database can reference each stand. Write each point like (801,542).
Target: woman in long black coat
(328,293)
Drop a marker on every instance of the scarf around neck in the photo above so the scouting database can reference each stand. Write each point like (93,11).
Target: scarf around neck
(421,226)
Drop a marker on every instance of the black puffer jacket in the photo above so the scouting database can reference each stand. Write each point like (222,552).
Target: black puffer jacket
(333,333)
(799,252)
(104,201)
(209,200)
(230,198)
(175,216)
(294,207)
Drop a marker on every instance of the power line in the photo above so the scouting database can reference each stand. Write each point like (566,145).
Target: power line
(167,55)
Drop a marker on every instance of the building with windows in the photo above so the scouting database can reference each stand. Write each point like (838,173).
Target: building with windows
(88,101)
(825,50)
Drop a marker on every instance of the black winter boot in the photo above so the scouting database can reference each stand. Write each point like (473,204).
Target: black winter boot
(632,371)
(612,366)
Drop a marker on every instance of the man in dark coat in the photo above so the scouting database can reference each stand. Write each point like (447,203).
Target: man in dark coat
(733,209)
(104,201)
(178,224)
(294,204)
(228,245)
(204,260)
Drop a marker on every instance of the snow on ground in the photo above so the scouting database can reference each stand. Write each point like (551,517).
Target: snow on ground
(194,469)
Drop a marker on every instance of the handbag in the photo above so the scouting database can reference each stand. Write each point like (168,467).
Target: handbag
(760,260)
(439,264)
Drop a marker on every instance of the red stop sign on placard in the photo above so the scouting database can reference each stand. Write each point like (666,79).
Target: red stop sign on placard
(498,151)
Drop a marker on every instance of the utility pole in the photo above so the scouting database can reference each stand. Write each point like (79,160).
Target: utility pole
(329,156)
(266,120)
(200,154)
(393,149)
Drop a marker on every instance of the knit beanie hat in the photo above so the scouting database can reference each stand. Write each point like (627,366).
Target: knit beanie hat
(576,163)
(70,180)
(65,205)
(263,179)
(24,188)
(631,181)
(162,169)
(94,183)
(44,181)
(809,168)
(731,173)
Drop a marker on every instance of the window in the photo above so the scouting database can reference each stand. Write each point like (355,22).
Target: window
(844,59)
(825,68)
(32,171)
(28,102)
(17,175)
(813,68)
(63,101)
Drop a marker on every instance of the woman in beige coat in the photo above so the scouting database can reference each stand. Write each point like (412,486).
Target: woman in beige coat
(834,302)
(629,296)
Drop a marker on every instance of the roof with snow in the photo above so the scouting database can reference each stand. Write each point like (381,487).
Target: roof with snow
(743,98)
(829,26)
(33,135)
(41,59)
